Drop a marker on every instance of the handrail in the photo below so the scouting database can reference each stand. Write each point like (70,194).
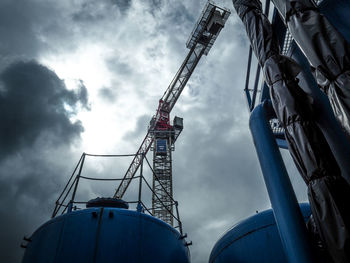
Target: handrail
(71,187)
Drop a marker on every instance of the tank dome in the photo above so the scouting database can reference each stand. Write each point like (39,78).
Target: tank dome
(255,239)
(106,234)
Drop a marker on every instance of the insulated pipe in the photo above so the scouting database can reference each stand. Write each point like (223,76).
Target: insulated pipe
(289,220)
(324,118)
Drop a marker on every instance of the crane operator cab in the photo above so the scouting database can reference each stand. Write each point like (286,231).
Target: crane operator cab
(161,146)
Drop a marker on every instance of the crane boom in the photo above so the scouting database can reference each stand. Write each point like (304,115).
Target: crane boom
(179,82)
(203,36)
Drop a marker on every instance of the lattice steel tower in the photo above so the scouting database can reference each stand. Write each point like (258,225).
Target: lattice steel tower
(161,134)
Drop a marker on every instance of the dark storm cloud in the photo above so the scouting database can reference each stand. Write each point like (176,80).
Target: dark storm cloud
(14,25)
(30,28)
(36,131)
(33,100)
(35,109)
(29,183)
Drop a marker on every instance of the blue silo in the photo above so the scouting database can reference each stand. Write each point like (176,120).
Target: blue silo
(106,230)
(255,239)
(106,234)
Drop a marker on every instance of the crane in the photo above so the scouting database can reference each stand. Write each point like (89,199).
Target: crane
(161,135)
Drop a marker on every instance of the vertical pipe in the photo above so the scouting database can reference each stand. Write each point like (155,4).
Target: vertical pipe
(286,210)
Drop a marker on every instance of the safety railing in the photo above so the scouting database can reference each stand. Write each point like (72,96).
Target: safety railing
(66,201)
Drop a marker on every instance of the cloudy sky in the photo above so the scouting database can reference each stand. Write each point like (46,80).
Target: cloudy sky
(86,76)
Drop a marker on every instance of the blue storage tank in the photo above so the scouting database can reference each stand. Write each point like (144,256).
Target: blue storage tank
(106,234)
(255,239)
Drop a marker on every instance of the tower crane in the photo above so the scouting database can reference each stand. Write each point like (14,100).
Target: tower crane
(161,135)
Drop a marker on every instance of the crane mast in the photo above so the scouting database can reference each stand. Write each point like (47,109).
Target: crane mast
(161,135)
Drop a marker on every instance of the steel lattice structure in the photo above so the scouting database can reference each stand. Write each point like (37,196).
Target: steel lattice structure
(163,184)
(201,40)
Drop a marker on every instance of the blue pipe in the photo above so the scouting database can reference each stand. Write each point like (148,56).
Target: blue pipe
(289,220)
